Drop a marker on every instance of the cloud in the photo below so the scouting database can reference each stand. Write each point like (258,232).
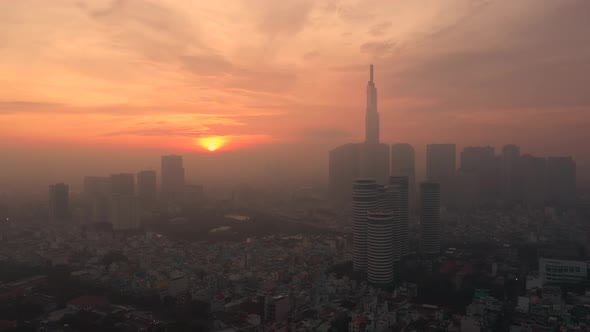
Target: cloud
(379,29)
(159,131)
(146,27)
(207,64)
(10,107)
(281,18)
(378,49)
(311,55)
(524,63)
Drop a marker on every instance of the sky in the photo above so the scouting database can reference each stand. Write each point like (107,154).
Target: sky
(104,84)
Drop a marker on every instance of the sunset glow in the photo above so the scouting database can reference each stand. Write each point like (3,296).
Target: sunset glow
(212,143)
(151,75)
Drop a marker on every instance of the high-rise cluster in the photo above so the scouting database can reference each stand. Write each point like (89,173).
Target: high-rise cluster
(365,198)
(379,229)
(124,199)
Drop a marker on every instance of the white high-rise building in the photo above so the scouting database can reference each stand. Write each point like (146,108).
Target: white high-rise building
(403,215)
(365,194)
(430,217)
(380,233)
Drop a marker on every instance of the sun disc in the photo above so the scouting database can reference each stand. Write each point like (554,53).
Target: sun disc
(212,143)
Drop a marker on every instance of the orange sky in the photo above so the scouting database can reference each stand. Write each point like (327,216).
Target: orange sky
(165,73)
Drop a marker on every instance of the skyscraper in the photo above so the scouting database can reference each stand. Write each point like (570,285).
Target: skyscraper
(123,205)
(343,171)
(374,156)
(534,180)
(511,177)
(400,183)
(478,165)
(172,178)
(441,167)
(391,201)
(403,163)
(59,202)
(372,116)
(123,212)
(430,218)
(380,236)
(122,184)
(365,194)
(147,193)
(561,181)
(374,161)
(95,195)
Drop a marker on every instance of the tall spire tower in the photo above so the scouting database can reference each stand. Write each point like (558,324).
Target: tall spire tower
(372,116)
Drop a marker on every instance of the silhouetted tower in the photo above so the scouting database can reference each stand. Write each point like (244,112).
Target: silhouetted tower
(441,167)
(59,202)
(402,213)
(147,192)
(403,163)
(172,178)
(430,218)
(372,116)
(511,177)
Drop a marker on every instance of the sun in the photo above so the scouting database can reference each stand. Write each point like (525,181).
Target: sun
(212,143)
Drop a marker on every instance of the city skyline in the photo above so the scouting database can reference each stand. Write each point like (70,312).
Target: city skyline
(127,96)
(294,165)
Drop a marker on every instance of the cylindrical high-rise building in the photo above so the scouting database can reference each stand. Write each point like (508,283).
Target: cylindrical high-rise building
(391,201)
(379,249)
(430,218)
(402,182)
(365,194)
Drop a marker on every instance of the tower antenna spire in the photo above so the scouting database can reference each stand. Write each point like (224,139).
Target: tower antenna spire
(371,73)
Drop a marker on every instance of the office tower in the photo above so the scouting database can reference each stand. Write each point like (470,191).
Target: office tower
(561,181)
(123,212)
(533,177)
(478,164)
(374,157)
(95,195)
(343,171)
(440,168)
(374,162)
(147,193)
(430,218)
(172,178)
(511,177)
(372,116)
(59,202)
(380,236)
(403,163)
(365,193)
(123,205)
(122,184)
(402,213)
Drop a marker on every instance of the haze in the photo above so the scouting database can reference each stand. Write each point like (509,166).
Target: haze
(92,87)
